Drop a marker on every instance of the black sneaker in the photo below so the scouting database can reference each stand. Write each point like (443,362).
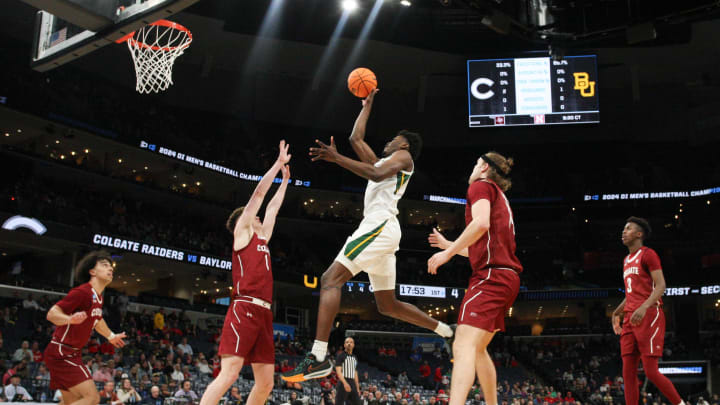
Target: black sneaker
(309,369)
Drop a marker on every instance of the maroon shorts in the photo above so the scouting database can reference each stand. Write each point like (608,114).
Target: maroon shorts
(488,299)
(248,333)
(65,366)
(646,339)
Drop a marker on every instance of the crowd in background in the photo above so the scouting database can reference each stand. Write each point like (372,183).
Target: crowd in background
(168,356)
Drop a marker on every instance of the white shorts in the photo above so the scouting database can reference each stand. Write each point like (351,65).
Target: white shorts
(371,248)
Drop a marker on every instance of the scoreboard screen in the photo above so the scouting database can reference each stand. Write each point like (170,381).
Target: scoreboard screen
(533,91)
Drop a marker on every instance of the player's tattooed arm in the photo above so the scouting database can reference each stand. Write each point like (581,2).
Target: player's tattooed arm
(357,137)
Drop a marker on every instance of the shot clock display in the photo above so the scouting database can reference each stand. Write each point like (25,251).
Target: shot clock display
(532,91)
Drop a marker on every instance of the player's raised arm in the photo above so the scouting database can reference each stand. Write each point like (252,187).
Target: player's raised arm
(256,199)
(357,138)
(397,162)
(274,205)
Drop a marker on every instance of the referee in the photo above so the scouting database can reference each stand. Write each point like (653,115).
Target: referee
(346,369)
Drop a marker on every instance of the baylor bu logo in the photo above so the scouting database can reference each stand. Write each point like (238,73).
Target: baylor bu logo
(583,83)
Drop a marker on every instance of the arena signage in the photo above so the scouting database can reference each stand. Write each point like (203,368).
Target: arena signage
(213,166)
(19,221)
(703,290)
(159,251)
(652,196)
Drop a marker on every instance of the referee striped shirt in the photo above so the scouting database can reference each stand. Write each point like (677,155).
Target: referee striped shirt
(349,365)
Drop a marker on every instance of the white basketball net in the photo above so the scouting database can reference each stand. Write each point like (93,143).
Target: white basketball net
(154,49)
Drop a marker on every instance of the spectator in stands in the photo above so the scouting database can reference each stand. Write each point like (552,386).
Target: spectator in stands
(185,347)
(103,374)
(416,399)
(159,320)
(187,392)
(702,401)
(416,355)
(388,382)
(127,394)
(14,392)
(403,378)
(293,400)
(438,377)
(108,395)
(37,354)
(3,354)
(203,366)
(155,398)
(9,373)
(715,400)
(42,374)
(234,397)
(30,304)
(432,400)
(364,377)
(23,353)
(425,370)
(177,374)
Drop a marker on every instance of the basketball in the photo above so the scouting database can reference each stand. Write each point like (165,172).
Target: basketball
(361,82)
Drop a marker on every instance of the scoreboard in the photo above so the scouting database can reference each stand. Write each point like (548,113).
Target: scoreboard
(532,91)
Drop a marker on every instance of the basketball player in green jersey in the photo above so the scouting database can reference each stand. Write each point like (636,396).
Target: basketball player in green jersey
(371,248)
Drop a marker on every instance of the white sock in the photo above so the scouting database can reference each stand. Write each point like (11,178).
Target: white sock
(443,330)
(319,349)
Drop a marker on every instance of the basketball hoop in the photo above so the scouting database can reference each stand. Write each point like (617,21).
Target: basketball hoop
(154,49)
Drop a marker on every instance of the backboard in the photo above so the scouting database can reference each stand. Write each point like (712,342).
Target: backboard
(69,29)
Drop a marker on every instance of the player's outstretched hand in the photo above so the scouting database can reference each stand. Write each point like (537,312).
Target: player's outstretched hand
(285,172)
(78,317)
(437,260)
(283,155)
(638,316)
(617,328)
(117,340)
(436,239)
(324,152)
(367,101)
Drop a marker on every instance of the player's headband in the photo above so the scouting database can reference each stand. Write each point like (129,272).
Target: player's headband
(494,165)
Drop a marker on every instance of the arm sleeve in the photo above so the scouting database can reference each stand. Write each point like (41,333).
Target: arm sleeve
(480,190)
(651,261)
(73,301)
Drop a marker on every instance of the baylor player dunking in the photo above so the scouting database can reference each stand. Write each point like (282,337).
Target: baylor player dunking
(371,248)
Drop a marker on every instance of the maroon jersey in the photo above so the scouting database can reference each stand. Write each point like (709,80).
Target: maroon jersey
(80,299)
(638,281)
(252,270)
(496,248)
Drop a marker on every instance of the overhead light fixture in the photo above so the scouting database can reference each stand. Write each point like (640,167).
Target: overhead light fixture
(405,3)
(349,5)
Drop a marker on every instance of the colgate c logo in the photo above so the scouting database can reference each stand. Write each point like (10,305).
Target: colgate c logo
(477,83)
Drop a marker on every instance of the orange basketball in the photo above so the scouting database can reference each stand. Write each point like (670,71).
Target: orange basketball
(361,82)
